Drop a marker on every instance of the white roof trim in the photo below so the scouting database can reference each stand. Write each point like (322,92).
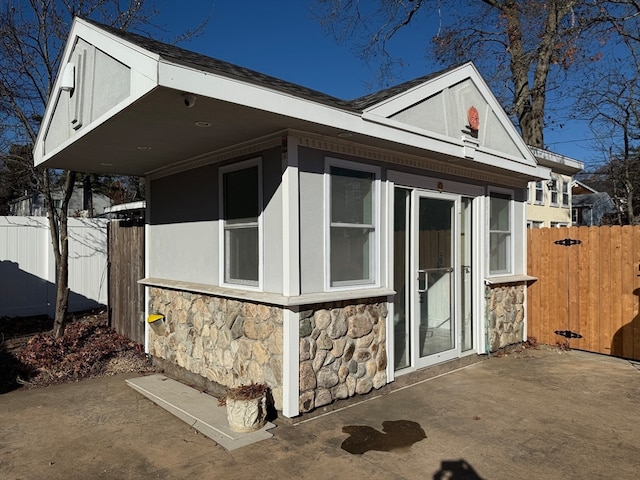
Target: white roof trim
(552,159)
(150,70)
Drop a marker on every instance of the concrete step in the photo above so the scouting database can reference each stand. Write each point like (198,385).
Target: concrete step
(200,410)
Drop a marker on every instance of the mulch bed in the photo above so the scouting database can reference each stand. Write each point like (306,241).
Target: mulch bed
(30,356)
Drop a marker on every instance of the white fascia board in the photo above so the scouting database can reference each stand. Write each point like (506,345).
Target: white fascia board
(454,147)
(199,82)
(534,172)
(561,162)
(240,92)
(418,137)
(144,77)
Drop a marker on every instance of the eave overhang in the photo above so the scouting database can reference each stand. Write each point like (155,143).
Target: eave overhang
(153,127)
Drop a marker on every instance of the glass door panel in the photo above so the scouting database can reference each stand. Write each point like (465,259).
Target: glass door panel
(401,282)
(435,274)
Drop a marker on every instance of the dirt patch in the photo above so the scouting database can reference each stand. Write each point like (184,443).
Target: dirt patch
(31,356)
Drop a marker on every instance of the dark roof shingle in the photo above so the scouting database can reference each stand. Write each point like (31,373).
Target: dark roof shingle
(188,58)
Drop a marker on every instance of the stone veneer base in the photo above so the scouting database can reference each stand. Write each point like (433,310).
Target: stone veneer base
(401,381)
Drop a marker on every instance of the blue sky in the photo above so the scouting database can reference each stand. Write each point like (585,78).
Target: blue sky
(282,38)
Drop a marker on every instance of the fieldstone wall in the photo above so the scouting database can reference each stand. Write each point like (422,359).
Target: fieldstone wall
(506,315)
(227,341)
(342,352)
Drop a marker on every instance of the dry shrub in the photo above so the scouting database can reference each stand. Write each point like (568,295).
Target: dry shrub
(85,350)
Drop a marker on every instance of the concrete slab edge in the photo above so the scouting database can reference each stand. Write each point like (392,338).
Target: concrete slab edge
(218,433)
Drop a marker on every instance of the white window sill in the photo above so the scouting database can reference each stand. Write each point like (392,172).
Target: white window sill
(509,279)
(267,297)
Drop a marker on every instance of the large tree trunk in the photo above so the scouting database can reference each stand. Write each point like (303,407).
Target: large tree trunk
(529,95)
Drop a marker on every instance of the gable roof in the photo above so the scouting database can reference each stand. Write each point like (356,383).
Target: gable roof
(119,107)
(214,65)
(580,188)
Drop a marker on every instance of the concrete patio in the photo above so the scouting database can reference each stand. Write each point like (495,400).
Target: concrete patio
(535,414)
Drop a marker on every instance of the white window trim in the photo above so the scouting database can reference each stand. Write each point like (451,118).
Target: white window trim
(376,257)
(565,184)
(222,259)
(512,253)
(535,193)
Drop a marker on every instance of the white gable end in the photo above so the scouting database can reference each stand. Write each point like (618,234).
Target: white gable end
(446,113)
(91,86)
(441,108)
(96,83)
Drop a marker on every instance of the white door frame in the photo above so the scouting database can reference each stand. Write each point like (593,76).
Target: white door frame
(436,187)
(417,360)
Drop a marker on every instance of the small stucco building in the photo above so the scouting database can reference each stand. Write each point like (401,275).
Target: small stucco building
(322,246)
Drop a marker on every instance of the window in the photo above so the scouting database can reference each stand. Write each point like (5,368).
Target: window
(554,192)
(241,208)
(352,226)
(500,232)
(565,193)
(539,198)
(535,224)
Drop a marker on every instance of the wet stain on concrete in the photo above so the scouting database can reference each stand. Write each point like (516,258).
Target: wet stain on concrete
(396,434)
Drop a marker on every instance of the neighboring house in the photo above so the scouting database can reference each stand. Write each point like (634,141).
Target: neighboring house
(549,202)
(322,246)
(34,204)
(589,206)
(126,211)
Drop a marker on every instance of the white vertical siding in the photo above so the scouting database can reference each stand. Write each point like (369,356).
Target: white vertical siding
(27,265)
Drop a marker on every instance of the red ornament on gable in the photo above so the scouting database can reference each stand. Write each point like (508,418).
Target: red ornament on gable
(474,118)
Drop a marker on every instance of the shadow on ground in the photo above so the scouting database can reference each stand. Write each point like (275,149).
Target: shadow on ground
(456,470)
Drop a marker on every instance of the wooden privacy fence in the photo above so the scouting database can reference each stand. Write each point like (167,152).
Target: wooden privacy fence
(126,267)
(588,288)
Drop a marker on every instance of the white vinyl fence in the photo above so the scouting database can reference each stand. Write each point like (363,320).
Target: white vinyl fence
(27,266)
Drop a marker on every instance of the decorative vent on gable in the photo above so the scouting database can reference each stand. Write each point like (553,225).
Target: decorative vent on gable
(77,95)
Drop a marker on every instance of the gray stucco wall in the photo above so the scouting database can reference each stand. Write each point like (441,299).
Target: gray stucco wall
(184,237)
(312,217)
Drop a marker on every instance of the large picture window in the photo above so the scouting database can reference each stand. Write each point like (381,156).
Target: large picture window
(241,212)
(352,226)
(500,223)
